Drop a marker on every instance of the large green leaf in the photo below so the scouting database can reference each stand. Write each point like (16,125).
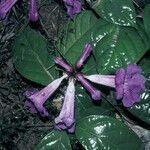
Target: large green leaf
(55,140)
(142,109)
(123,46)
(114,46)
(120,12)
(147,19)
(101,132)
(86,107)
(31,57)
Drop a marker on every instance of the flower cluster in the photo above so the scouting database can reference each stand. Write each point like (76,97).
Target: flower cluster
(128,84)
(6,5)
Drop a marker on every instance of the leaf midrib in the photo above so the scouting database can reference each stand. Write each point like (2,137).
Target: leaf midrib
(38,59)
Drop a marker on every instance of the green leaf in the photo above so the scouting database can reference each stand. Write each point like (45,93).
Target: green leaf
(142,109)
(101,132)
(147,19)
(86,107)
(120,12)
(123,46)
(55,140)
(31,57)
(114,46)
(82,102)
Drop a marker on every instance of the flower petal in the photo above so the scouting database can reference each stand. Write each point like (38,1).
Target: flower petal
(130,84)
(31,107)
(119,82)
(66,120)
(133,69)
(39,98)
(120,76)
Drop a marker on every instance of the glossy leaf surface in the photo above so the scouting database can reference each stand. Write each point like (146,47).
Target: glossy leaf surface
(31,57)
(123,46)
(55,140)
(120,12)
(85,105)
(101,132)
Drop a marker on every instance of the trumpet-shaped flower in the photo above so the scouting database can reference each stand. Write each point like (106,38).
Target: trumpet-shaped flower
(39,98)
(128,84)
(66,120)
(73,7)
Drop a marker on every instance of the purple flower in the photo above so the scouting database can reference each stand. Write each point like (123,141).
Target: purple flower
(38,99)
(5,7)
(63,64)
(66,120)
(32,108)
(33,13)
(95,94)
(73,7)
(85,54)
(129,84)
